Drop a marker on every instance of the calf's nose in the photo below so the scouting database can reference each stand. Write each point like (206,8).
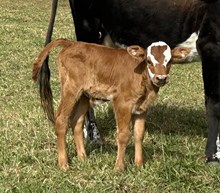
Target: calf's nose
(161,77)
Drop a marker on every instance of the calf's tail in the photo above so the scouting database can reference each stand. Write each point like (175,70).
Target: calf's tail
(42,76)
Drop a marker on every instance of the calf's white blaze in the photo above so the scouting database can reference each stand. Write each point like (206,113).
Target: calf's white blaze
(166,53)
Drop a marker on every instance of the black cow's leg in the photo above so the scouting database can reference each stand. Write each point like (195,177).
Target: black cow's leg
(213,122)
(91,131)
(87,29)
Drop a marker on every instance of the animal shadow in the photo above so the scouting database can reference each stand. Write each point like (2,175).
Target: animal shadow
(161,119)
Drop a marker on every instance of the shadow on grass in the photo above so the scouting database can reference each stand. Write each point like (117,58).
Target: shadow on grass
(161,119)
(170,120)
(176,120)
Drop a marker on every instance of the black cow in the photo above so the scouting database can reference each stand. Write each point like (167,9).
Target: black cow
(208,46)
(129,22)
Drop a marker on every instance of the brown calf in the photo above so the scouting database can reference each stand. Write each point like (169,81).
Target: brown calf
(130,78)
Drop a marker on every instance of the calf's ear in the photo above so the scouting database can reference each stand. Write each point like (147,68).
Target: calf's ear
(137,52)
(180,52)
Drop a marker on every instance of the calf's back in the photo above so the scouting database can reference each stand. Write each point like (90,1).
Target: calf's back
(100,71)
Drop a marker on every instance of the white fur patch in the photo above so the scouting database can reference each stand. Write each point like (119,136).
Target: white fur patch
(218,148)
(151,74)
(191,44)
(133,52)
(166,53)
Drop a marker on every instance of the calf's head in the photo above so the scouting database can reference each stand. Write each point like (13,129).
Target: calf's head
(158,59)
(159,63)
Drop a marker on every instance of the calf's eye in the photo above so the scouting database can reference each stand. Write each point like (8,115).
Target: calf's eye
(148,61)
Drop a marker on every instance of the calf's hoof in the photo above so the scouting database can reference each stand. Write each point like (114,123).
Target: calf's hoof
(139,163)
(119,167)
(63,163)
(82,157)
(64,167)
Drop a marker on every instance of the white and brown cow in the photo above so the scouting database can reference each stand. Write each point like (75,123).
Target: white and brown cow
(130,78)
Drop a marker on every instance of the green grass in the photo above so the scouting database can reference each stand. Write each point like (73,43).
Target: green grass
(176,125)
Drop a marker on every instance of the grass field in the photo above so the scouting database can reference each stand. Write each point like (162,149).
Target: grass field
(176,125)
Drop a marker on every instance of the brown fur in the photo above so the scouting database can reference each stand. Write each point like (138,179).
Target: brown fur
(90,71)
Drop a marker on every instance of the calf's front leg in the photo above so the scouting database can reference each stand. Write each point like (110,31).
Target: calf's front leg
(123,118)
(139,130)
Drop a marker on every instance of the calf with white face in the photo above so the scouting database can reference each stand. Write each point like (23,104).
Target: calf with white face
(130,78)
(159,64)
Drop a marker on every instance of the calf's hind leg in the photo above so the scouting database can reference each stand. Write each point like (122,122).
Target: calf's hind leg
(61,125)
(79,114)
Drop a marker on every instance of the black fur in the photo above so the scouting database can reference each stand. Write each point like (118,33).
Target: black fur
(45,91)
(208,45)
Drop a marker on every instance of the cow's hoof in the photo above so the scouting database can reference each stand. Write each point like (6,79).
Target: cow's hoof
(213,160)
